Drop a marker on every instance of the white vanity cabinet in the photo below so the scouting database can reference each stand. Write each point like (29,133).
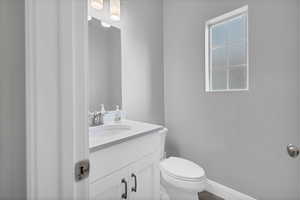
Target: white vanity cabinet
(108,188)
(145,178)
(127,170)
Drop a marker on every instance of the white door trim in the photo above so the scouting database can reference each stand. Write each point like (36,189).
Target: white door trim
(56,97)
(30,102)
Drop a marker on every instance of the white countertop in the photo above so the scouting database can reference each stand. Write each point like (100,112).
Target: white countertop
(99,141)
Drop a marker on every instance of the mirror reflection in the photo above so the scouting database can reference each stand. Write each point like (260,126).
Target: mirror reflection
(104,65)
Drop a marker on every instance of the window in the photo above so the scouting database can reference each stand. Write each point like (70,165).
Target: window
(226,52)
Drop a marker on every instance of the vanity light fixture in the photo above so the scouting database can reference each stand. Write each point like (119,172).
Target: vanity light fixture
(115,10)
(105,25)
(97,4)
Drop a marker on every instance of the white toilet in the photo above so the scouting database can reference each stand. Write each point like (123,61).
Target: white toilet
(181,179)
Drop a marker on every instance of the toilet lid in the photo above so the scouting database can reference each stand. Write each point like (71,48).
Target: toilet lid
(182,169)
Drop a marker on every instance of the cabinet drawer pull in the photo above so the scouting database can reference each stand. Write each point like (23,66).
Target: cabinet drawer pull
(134,189)
(124,195)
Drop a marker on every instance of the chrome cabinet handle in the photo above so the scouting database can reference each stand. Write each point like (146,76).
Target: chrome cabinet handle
(124,195)
(292,150)
(134,189)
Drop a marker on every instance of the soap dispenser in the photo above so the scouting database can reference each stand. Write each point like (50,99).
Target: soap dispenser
(118,114)
(102,111)
(102,114)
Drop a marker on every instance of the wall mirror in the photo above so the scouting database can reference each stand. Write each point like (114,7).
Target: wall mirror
(105,68)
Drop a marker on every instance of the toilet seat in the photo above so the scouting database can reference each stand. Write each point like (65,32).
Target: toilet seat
(183,173)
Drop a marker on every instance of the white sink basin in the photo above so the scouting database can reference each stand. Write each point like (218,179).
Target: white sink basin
(109,129)
(119,131)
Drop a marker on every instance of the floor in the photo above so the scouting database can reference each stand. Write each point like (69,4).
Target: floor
(208,196)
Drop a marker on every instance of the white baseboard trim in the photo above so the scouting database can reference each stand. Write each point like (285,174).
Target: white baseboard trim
(226,192)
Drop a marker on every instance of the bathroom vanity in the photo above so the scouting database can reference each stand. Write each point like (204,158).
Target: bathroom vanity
(125,160)
(125,155)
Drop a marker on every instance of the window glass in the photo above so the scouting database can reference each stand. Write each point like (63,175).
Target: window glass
(227,52)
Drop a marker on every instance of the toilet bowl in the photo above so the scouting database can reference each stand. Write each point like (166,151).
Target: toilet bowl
(180,178)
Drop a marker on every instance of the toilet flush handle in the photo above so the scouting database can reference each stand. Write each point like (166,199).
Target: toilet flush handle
(293,150)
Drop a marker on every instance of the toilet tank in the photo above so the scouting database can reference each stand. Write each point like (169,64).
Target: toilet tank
(163,134)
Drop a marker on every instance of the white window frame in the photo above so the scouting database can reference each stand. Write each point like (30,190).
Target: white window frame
(225,17)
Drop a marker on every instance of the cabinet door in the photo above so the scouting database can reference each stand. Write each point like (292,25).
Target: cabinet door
(111,187)
(145,178)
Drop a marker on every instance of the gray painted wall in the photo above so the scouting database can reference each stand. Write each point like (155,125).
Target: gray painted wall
(12,100)
(238,137)
(105,66)
(142,52)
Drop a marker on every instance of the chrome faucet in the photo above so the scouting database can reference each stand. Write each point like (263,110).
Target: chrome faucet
(97,118)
